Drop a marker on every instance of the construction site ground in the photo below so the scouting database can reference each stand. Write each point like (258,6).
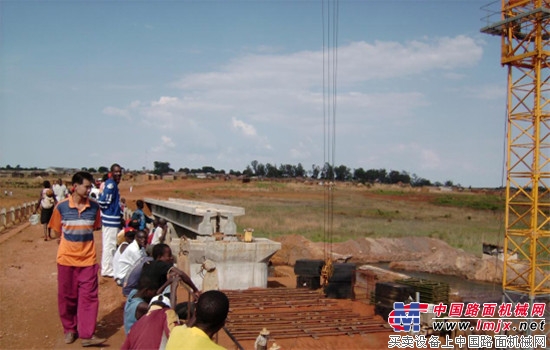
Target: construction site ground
(297,318)
(28,294)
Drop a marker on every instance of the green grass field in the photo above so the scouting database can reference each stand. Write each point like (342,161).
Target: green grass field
(464,220)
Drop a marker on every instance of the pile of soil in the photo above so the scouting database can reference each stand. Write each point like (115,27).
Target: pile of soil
(422,254)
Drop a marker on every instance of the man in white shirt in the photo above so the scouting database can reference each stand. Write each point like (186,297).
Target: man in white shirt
(60,190)
(128,239)
(134,252)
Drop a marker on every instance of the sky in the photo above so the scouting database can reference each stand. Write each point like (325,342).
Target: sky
(416,86)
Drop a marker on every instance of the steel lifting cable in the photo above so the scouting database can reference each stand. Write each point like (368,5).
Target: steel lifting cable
(330,65)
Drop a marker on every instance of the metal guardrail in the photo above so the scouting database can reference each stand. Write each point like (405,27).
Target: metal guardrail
(493,12)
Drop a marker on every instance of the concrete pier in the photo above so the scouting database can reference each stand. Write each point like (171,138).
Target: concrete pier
(239,264)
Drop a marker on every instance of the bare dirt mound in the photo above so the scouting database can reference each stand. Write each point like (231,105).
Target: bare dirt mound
(421,254)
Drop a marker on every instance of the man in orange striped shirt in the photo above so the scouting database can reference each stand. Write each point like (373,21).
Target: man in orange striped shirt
(75,219)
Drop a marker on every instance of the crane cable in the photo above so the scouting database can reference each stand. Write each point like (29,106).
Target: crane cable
(330,65)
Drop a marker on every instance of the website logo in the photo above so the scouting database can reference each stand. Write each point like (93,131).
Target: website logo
(406,318)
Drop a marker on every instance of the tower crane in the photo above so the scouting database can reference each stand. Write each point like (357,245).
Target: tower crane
(524,29)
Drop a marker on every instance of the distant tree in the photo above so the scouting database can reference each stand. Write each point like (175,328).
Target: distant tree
(248,171)
(235,173)
(209,169)
(184,170)
(342,173)
(8,167)
(92,170)
(102,169)
(254,167)
(359,174)
(260,170)
(375,175)
(271,171)
(315,171)
(395,177)
(286,170)
(161,168)
(327,173)
(419,181)
(299,171)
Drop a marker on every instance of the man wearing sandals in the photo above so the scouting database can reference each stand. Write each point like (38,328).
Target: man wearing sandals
(75,220)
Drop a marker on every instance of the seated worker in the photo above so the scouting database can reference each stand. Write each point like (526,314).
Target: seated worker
(132,278)
(152,330)
(152,234)
(159,234)
(160,267)
(140,215)
(138,300)
(128,226)
(210,315)
(129,238)
(134,252)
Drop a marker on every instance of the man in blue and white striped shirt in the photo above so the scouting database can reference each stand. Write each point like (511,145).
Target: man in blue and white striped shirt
(111,215)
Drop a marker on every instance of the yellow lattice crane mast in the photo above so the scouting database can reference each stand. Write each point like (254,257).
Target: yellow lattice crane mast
(524,28)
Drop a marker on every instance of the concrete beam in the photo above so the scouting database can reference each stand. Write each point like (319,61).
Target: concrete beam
(193,219)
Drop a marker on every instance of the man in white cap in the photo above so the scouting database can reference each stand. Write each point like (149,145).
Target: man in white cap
(261,341)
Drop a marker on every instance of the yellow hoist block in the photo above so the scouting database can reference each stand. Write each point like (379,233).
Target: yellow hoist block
(326,272)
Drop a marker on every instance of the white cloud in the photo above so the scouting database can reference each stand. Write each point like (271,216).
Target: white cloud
(242,127)
(453,76)
(164,145)
(487,92)
(166,101)
(357,62)
(118,112)
(430,159)
(162,113)
(274,89)
(167,141)
(300,152)
(274,106)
